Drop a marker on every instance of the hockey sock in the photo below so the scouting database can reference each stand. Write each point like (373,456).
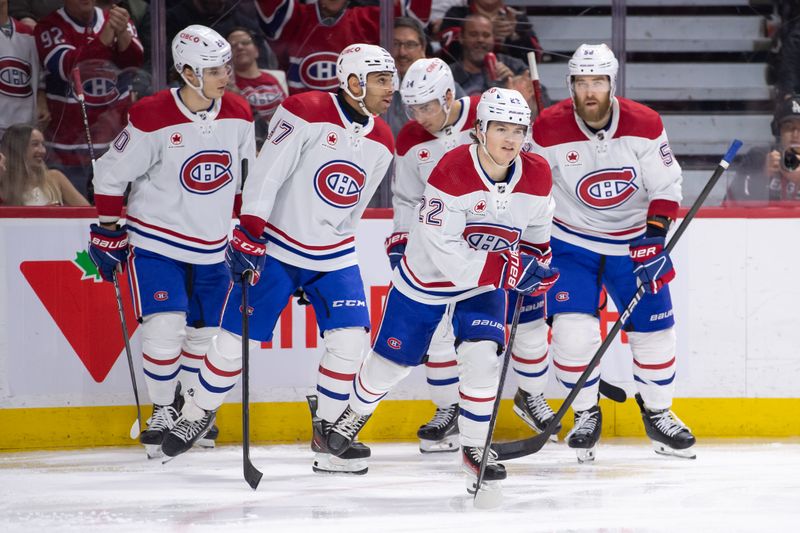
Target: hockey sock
(344,350)
(654,366)
(576,338)
(376,377)
(195,346)
(220,370)
(441,368)
(162,336)
(529,358)
(479,367)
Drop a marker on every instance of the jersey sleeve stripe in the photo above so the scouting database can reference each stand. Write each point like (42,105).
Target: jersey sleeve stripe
(164,240)
(176,234)
(283,235)
(275,240)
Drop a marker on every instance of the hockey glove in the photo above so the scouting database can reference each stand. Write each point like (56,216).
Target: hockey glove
(246,253)
(524,274)
(108,249)
(396,247)
(652,264)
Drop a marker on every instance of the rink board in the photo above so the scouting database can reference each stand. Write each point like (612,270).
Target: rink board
(64,375)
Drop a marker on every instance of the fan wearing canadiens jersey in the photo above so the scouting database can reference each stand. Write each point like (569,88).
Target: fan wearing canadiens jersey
(181,152)
(19,73)
(482,203)
(617,188)
(439,124)
(321,163)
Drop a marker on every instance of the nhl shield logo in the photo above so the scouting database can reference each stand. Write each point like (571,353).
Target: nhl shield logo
(607,188)
(15,77)
(207,172)
(339,183)
(318,71)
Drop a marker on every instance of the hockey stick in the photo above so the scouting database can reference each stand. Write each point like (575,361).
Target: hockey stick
(137,424)
(537,86)
(521,448)
(251,474)
(500,384)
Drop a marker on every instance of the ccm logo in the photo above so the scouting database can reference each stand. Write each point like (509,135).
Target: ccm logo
(239,244)
(644,253)
(349,303)
(490,323)
(110,245)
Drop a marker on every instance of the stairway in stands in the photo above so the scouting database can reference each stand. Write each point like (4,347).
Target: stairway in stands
(700,63)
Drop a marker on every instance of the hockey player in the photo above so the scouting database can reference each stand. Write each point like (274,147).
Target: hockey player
(182,152)
(322,161)
(440,123)
(480,204)
(617,188)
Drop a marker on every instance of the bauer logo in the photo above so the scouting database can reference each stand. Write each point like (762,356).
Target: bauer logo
(207,172)
(15,77)
(339,183)
(607,188)
(318,71)
(491,237)
(394,343)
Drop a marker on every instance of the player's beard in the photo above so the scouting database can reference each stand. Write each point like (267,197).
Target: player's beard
(595,113)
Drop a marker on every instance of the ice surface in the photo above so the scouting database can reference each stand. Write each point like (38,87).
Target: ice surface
(733,485)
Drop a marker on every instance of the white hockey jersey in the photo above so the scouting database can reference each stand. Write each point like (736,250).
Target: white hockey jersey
(313,178)
(186,170)
(417,153)
(19,76)
(605,184)
(464,223)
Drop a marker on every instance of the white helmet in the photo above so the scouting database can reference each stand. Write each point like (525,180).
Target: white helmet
(427,80)
(593,59)
(359,60)
(199,47)
(503,105)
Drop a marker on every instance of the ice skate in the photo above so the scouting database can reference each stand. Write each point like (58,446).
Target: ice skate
(668,434)
(186,433)
(493,475)
(585,434)
(158,425)
(344,431)
(535,411)
(210,438)
(440,434)
(352,461)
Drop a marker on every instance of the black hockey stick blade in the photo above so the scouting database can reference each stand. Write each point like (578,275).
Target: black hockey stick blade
(251,474)
(612,392)
(521,448)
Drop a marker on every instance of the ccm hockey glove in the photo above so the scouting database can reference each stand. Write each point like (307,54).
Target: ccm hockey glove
(652,264)
(246,253)
(524,274)
(108,249)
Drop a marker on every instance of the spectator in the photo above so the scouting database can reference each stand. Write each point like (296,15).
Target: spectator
(772,175)
(99,43)
(786,64)
(27,180)
(513,34)
(29,12)
(20,98)
(263,89)
(309,37)
(220,15)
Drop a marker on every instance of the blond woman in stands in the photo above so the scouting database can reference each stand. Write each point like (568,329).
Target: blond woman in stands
(27,180)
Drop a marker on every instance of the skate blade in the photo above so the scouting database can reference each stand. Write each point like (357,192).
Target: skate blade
(326,463)
(153,451)
(206,443)
(490,495)
(663,449)
(531,424)
(585,455)
(447,444)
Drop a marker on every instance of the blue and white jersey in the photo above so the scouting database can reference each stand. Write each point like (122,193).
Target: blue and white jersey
(185,171)
(466,221)
(313,179)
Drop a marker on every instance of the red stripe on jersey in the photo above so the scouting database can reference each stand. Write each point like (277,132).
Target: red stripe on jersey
(637,120)
(536,178)
(664,208)
(309,246)
(155,112)
(556,125)
(335,375)
(657,366)
(176,234)
(107,205)
(620,233)
(455,174)
(234,106)
(314,106)
(381,133)
(435,284)
(411,135)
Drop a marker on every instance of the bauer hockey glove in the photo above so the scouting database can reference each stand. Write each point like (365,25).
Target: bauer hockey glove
(524,274)
(652,264)
(395,248)
(108,249)
(245,253)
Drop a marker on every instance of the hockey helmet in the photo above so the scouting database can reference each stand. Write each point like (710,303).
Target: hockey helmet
(361,59)
(503,105)
(427,80)
(593,59)
(786,109)
(199,47)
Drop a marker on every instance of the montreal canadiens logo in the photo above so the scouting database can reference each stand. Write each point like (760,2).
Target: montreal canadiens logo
(101,89)
(562,296)
(607,188)
(15,77)
(491,237)
(207,172)
(394,344)
(161,296)
(318,71)
(339,183)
